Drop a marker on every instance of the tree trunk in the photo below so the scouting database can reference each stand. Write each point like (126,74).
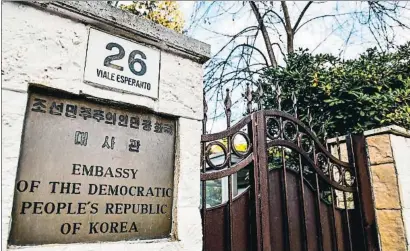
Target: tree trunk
(288,27)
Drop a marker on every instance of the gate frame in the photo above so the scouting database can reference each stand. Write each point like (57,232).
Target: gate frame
(259,195)
(357,147)
(357,158)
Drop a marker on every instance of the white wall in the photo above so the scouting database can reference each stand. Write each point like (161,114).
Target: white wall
(401,153)
(49,49)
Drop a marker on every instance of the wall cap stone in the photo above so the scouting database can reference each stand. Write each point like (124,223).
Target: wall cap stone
(391,129)
(105,16)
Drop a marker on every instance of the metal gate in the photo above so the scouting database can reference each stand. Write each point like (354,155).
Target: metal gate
(297,195)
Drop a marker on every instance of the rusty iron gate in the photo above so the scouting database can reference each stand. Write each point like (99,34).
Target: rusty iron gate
(295,194)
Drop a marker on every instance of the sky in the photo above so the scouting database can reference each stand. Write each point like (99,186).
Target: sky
(308,37)
(329,34)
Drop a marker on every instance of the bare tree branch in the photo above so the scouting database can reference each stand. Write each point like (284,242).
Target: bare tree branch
(325,16)
(240,59)
(301,16)
(265,34)
(277,15)
(280,48)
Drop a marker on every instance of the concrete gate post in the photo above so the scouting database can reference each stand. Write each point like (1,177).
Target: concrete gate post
(45,43)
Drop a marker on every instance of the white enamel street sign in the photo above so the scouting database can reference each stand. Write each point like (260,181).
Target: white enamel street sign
(118,63)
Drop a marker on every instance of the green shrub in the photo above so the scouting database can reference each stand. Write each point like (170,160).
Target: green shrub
(345,96)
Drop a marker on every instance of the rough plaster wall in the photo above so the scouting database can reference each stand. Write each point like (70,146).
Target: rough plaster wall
(47,49)
(14,105)
(41,48)
(188,198)
(139,26)
(180,90)
(401,152)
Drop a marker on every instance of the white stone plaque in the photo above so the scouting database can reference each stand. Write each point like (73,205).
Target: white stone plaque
(120,64)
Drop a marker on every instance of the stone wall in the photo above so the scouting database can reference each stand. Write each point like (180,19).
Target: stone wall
(389,163)
(45,43)
(401,154)
(387,190)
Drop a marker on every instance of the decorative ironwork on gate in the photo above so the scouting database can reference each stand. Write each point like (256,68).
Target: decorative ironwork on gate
(295,194)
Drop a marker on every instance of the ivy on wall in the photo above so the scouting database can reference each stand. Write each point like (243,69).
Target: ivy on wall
(166,13)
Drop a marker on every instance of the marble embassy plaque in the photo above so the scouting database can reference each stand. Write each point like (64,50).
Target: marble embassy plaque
(90,172)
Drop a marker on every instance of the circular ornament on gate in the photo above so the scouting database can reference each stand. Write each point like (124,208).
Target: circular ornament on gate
(336,174)
(240,152)
(322,163)
(348,178)
(273,128)
(306,143)
(289,130)
(209,152)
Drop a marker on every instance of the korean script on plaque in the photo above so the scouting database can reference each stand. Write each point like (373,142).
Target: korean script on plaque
(90,172)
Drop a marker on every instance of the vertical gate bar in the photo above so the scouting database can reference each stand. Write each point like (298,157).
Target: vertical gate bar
(349,233)
(319,224)
(252,182)
(228,104)
(230,210)
(283,176)
(346,211)
(263,180)
(302,199)
(284,190)
(334,232)
(364,196)
(256,183)
(358,203)
(318,210)
(252,212)
(301,183)
(230,214)
(203,185)
(203,163)
(285,200)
